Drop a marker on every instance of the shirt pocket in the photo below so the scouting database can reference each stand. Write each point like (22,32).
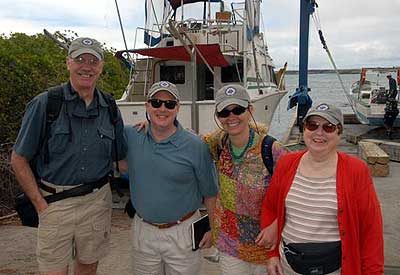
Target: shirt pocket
(59,139)
(106,136)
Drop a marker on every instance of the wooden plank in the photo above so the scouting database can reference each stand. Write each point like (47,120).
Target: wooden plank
(379,170)
(371,153)
(391,148)
(350,119)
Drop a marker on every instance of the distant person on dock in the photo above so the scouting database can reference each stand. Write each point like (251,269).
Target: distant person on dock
(329,216)
(71,149)
(244,175)
(170,171)
(392,87)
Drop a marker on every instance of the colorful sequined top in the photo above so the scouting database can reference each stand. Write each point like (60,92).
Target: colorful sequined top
(243,183)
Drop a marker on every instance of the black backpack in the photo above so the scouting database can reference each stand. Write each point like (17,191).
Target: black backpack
(23,205)
(266,152)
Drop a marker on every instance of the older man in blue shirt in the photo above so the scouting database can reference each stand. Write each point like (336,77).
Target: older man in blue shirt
(171,171)
(78,154)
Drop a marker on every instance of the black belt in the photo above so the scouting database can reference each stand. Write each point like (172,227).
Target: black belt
(80,190)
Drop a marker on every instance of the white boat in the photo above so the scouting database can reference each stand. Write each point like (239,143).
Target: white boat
(202,45)
(368,95)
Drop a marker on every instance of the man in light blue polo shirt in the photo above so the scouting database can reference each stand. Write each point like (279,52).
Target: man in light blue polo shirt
(170,171)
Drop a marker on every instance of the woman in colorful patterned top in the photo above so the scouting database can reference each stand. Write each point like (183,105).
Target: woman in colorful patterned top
(243,180)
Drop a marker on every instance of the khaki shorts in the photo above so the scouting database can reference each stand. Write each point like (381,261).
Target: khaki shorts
(74,228)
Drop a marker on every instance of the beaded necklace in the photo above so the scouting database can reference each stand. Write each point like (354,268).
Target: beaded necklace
(248,145)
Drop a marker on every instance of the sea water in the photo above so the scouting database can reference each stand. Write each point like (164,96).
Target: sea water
(324,88)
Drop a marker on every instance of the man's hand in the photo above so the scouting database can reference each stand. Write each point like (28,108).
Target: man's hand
(268,237)
(141,125)
(207,240)
(41,207)
(274,266)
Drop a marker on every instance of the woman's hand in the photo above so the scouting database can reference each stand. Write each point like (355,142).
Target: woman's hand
(274,266)
(207,240)
(268,237)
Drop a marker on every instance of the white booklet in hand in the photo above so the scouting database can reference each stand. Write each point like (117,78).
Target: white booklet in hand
(199,228)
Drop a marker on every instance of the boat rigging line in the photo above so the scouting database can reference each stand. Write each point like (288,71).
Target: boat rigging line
(123,36)
(317,23)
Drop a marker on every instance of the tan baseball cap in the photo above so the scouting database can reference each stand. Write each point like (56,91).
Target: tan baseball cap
(328,111)
(83,45)
(231,94)
(163,86)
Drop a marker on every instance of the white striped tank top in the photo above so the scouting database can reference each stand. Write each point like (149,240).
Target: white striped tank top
(310,213)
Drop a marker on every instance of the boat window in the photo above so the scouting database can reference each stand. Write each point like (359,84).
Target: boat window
(365,95)
(272,74)
(264,73)
(230,73)
(173,74)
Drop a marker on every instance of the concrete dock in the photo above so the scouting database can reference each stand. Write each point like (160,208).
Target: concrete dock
(18,243)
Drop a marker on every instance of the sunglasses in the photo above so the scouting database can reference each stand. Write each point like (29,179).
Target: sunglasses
(313,125)
(238,110)
(169,104)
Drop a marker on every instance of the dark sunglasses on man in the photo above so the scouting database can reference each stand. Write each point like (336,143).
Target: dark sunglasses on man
(156,103)
(238,110)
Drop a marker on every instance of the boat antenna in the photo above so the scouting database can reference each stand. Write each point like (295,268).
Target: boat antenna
(123,36)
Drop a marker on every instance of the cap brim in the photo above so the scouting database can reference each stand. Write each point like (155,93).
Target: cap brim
(78,52)
(222,105)
(162,89)
(328,117)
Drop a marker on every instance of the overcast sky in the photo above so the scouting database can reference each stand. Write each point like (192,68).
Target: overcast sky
(358,32)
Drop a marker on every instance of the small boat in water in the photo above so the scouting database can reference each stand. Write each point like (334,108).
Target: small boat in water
(369,95)
(200,46)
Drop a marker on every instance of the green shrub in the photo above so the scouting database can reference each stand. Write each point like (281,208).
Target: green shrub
(29,65)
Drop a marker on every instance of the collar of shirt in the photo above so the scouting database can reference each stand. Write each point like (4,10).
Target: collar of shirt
(78,105)
(174,139)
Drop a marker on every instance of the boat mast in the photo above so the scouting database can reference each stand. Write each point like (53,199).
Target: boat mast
(303,102)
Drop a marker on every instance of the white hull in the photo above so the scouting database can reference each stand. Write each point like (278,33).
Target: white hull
(369,99)
(265,105)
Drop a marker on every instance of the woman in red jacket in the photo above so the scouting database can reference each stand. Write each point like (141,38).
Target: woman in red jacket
(328,215)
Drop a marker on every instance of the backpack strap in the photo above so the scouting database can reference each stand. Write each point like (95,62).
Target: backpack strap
(266,153)
(55,99)
(113,113)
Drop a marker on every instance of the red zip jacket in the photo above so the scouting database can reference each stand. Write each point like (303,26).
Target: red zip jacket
(359,214)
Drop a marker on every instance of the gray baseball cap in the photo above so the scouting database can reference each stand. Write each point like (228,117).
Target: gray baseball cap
(83,45)
(328,111)
(163,86)
(231,94)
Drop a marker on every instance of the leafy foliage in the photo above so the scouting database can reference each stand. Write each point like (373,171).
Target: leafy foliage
(29,65)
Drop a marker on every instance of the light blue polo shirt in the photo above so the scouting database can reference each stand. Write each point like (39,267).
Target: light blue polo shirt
(81,147)
(168,179)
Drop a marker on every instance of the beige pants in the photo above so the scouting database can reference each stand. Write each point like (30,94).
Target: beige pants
(164,251)
(234,266)
(77,227)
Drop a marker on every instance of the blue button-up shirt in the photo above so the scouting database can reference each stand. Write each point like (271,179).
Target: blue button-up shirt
(81,139)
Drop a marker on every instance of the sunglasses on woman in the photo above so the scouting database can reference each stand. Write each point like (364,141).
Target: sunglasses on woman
(238,110)
(313,125)
(169,104)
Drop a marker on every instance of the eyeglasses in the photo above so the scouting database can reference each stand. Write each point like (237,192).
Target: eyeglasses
(156,103)
(238,110)
(91,62)
(313,125)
